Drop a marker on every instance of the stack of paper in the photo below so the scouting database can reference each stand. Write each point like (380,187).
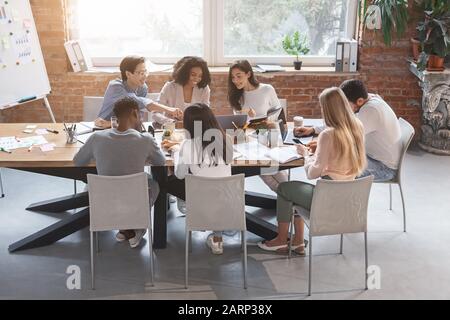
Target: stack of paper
(252,151)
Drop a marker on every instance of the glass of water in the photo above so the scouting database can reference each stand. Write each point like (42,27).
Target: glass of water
(114,122)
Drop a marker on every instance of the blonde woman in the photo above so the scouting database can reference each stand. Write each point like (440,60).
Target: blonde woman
(340,155)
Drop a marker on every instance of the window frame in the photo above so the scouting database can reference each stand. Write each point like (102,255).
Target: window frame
(213,47)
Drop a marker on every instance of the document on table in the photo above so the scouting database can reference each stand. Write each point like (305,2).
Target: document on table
(83,137)
(252,150)
(283,154)
(11,143)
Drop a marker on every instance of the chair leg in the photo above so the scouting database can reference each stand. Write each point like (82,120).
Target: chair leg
(150,249)
(366,259)
(186,259)
(244,243)
(403,204)
(342,244)
(92,261)
(390,197)
(97,242)
(74,186)
(2,195)
(291,233)
(190,241)
(310,266)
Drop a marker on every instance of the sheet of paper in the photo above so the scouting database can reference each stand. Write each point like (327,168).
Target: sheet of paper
(47,147)
(11,143)
(252,150)
(41,131)
(28,131)
(31,126)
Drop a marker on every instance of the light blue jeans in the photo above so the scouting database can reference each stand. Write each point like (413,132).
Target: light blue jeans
(380,171)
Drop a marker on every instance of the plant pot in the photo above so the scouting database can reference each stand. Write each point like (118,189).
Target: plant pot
(415,48)
(435,63)
(297,65)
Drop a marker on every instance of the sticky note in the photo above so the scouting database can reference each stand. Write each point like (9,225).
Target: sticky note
(41,131)
(27,23)
(47,147)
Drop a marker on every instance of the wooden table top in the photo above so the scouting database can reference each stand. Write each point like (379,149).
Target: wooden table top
(63,153)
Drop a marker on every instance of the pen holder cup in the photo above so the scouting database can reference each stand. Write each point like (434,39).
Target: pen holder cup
(71,137)
(239,136)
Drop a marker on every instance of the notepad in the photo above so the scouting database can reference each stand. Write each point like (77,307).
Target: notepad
(283,154)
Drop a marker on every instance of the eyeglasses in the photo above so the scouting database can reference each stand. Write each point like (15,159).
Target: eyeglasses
(141,73)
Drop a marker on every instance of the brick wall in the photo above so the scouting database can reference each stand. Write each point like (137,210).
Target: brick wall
(383,69)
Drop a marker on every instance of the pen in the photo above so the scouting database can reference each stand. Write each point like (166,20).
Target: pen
(234,124)
(29,149)
(4,150)
(52,131)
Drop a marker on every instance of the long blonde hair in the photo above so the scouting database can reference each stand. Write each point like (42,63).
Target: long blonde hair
(348,133)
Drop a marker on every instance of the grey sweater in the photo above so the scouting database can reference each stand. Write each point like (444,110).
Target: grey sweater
(120,153)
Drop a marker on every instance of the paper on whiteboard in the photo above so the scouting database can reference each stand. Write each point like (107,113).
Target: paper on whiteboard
(22,45)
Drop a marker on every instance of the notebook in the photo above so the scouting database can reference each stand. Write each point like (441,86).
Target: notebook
(283,154)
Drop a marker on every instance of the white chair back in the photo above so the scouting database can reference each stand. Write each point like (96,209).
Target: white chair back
(92,106)
(118,202)
(340,207)
(407,131)
(215,203)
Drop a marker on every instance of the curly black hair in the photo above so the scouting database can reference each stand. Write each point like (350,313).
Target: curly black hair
(182,71)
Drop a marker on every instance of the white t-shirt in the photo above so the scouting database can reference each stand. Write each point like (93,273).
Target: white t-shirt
(382,131)
(189,160)
(262,99)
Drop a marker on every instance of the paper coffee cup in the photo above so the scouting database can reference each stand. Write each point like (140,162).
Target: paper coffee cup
(298,121)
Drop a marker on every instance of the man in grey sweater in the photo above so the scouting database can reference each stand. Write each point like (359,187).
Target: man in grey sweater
(123,151)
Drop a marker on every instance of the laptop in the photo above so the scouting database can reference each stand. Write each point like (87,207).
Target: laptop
(288,135)
(226,122)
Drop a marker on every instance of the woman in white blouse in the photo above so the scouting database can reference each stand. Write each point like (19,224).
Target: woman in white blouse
(204,157)
(190,84)
(247,95)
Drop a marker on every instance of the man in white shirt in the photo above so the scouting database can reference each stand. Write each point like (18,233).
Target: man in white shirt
(381,128)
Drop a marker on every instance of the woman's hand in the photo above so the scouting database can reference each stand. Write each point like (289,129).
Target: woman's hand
(251,112)
(302,150)
(312,145)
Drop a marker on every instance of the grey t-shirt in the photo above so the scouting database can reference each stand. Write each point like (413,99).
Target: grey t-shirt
(120,153)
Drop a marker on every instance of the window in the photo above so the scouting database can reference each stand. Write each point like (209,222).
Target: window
(219,30)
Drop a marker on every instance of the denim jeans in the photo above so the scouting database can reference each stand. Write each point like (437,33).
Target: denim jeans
(380,171)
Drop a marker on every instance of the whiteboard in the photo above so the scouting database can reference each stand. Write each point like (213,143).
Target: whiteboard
(23,75)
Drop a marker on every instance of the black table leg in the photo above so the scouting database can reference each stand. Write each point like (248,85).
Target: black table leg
(62,204)
(53,233)
(160,209)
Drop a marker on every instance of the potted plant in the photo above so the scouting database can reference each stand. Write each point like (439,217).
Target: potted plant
(435,42)
(433,34)
(394,17)
(296,45)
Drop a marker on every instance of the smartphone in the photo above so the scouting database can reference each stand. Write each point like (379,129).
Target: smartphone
(298,141)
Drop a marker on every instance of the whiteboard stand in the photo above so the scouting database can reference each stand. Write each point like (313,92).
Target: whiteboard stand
(46,104)
(49,109)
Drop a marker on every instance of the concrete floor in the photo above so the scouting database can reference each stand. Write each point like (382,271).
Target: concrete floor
(413,265)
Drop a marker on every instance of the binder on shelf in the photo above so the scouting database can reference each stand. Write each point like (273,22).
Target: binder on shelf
(339,53)
(353,55)
(79,60)
(346,57)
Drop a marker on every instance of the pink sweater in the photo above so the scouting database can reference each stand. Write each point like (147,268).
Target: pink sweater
(324,161)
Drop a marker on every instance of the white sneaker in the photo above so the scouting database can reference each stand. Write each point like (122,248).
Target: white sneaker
(139,234)
(172,199)
(120,237)
(181,205)
(216,247)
